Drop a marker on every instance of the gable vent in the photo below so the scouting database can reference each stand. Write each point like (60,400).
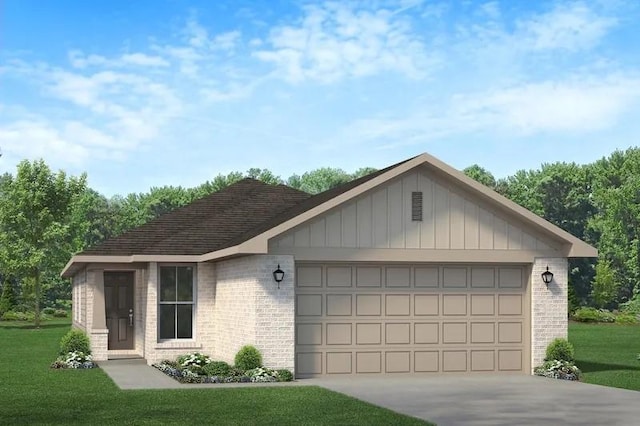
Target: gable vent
(416,206)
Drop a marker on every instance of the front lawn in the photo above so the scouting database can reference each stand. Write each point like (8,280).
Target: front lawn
(607,353)
(32,393)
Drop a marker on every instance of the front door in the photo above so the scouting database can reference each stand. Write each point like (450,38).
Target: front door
(118,299)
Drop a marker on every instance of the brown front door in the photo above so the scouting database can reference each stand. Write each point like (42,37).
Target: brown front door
(118,299)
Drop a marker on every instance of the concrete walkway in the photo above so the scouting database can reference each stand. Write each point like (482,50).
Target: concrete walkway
(493,400)
(136,374)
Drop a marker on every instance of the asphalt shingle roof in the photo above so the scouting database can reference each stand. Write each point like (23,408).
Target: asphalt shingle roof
(220,220)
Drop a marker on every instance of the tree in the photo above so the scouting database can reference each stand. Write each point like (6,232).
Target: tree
(605,285)
(35,212)
(319,180)
(480,174)
(8,298)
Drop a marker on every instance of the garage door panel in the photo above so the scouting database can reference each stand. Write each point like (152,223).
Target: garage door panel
(309,334)
(398,277)
(482,304)
(339,334)
(309,363)
(339,304)
(426,361)
(426,332)
(397,305)
(309,305)
(368,305)
(510,360)
(368,362)
(426,277)
(339,363)
(483,360)
(369,277)
(510,332)
(454,304)
(454,361)
(426,304)
(397,334)
(368,333)
(483,332)
(339,276)
(405,319)
(309,276)
(510,304)
(398,362)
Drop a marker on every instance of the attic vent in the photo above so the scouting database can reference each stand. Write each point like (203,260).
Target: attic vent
(416,206)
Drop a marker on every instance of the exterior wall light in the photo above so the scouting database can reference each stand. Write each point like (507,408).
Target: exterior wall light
(278,275)
(547,276)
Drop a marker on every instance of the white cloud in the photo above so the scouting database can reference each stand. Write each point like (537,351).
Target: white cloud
(335,41)
(144,60)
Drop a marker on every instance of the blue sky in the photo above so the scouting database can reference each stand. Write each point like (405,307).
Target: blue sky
(152,93)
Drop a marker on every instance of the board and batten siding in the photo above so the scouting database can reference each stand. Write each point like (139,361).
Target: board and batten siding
(382,218)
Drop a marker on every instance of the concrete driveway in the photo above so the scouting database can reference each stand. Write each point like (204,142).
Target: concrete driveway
(493,400)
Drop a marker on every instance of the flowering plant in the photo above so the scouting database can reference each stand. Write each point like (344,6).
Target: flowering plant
(262,374)
(75,359)
(194,359)
(557,369)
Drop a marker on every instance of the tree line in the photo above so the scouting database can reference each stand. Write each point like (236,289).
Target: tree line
(46,216)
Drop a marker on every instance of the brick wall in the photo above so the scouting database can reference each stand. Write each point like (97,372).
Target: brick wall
(549,308)
(250,309)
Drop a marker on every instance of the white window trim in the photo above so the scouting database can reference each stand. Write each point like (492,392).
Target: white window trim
(194,303)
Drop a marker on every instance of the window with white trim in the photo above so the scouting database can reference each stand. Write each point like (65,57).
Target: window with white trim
(176,302)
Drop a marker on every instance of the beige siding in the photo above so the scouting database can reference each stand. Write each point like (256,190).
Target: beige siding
(381,218)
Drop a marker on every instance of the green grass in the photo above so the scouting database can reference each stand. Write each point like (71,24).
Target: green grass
(32,393)
(607,353)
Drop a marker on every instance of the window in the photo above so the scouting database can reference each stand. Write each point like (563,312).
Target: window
(176,302)
(416,206)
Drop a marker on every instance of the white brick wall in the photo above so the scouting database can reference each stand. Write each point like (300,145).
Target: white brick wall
(250,309)
(549,308)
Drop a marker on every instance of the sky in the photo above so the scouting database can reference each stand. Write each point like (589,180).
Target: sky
(151,93)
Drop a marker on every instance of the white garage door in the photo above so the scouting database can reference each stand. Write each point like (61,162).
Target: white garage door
(396,318)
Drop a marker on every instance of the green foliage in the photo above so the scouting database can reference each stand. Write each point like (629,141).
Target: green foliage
(17,316)
(627,319)
(75,341)
(248,358)
(560,350)
(284,375)
(631,306)
(48,311)
(481,175)
(217,368)
(60,313)
(8,297)
(194,359)
(558,369)
(605,285)
(588,314)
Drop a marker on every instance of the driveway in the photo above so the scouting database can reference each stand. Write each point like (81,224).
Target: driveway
(493,400)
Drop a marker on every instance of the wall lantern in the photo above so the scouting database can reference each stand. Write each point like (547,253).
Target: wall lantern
(278,275)
(547,276)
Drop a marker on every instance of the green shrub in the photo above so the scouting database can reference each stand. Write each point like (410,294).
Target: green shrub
(17,316)
(284,375)
(626,318)
(593,315)
(560,350)
(75,341)
(557,369)
(8,298)
(48,311)
(248,358)
(60,313)
(195,358)
(632,306)
(218,368)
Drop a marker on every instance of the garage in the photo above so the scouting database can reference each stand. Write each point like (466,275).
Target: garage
(371,318)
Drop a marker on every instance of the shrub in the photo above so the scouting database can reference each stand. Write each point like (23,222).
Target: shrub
(17,316)
(560,350)
(8,298)
(626,318)
(262,375)
(60,313)
(557,369)
(218,369)
(284,375)
(632,306)
(593,315)
(48,311)
(198,359)
(248,358)
(75,341)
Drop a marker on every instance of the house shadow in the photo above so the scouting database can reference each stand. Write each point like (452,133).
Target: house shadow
(589,367)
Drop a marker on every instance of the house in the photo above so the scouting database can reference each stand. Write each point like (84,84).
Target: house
(413,269)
